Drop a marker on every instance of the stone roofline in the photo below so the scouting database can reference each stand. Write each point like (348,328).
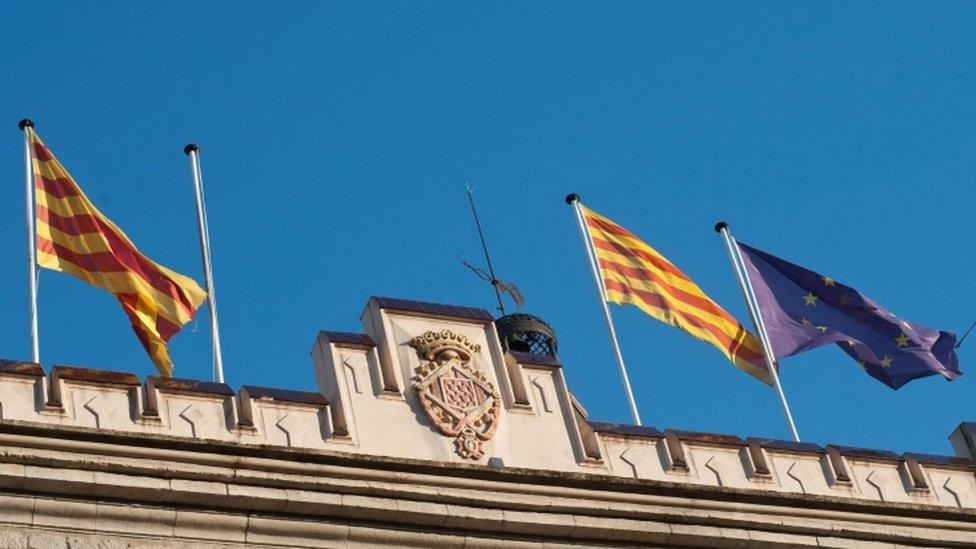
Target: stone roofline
(146,408)
(54,397)
(367,408)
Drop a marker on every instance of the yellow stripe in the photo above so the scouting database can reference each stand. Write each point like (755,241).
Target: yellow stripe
(158,352)
(670,315)
(730,327)
(68,206)
(663,315)
(71,206)
(121,282)
(640,245)
(116,282)
(633,242)
(635,262)
(86,243)
(50,169)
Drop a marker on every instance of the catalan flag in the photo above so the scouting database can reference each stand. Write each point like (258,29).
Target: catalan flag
(636,274)
(75,238)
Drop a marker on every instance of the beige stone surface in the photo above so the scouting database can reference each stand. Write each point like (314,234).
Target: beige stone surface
(280,470)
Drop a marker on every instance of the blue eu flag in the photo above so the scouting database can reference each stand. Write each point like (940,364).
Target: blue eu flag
(803,310)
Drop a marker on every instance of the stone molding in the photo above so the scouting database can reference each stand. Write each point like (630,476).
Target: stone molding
(75,477)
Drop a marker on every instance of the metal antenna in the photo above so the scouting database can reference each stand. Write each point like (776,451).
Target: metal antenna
(484,247)
(965,335)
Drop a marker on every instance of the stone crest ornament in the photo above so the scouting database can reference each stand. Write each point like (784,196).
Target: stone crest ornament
(457,397)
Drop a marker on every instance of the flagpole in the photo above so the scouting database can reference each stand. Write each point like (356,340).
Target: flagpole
(573,200)
(745,284)
(31,241)
(193,152)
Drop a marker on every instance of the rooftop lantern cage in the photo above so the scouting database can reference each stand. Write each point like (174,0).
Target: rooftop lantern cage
(527,334)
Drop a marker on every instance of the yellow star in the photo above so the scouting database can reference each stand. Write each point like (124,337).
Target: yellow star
(902,340)
(862,364)
(885,362)
(810,299)
(828,281)
(822,328)
(806,322)
(851,342)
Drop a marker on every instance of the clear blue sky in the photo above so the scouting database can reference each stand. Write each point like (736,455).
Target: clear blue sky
(336,140)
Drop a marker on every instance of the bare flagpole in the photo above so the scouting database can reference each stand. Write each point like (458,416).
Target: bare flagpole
(193,152)
(31,239)
(745,284)
(573,200)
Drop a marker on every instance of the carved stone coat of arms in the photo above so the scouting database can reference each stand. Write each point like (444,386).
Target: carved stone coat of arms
(457,397)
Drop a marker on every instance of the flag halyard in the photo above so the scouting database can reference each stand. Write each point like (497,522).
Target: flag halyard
(74,237)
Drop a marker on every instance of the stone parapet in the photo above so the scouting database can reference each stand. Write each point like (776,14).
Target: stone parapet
(118,401)
(422,421)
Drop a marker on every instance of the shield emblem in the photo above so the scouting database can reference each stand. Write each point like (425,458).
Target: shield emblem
(456,396)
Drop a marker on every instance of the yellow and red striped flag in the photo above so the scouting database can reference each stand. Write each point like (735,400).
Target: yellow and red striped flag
(75,238)
(636,274)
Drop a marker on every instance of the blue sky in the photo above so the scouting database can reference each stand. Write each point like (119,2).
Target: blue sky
(336,140)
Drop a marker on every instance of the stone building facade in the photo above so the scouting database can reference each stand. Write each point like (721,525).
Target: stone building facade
(427,431)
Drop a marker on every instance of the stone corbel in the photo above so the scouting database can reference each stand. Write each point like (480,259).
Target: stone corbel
(916,475)
(838,466)
(588,436)
(757,458)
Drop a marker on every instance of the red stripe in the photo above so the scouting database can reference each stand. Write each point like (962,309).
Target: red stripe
(74,225)
(737,347)
(608,225)
(41,152)
(98,262)
(122,254)
(627,250)
(697,301)
(147,339)
(164,327)
(102,262)
(58,188)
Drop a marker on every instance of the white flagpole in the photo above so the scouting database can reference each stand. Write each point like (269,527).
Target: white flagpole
(745,284)
(193,152)
(573,200)
(31,239)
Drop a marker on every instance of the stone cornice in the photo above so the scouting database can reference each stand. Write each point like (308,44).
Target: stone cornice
(72,440)
(85,465)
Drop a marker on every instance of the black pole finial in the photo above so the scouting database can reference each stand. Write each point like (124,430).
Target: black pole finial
(572,197)
(721,225)
(25,123)
(192,147)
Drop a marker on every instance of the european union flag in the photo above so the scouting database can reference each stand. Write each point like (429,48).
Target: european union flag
(803,310)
